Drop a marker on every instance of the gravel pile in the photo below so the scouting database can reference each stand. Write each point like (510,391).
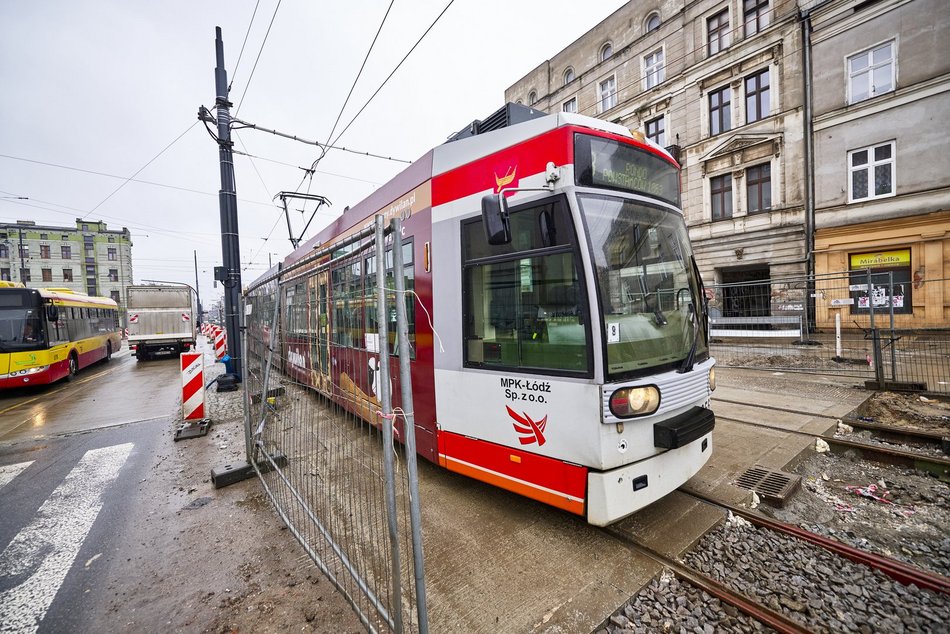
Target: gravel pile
(810,585)
(670,605)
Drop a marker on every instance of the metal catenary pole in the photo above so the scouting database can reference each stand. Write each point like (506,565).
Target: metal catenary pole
(409,427)
(386,397)
(227,198)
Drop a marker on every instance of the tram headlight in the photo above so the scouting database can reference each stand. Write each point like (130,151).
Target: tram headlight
(712,379)
(634,401)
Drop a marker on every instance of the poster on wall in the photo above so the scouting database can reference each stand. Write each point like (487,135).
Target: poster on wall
(890,282)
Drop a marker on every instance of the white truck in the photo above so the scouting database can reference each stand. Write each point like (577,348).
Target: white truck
(161,319)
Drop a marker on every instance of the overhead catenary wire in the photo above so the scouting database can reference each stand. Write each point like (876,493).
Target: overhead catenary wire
(139,170)
(257,59)
(385,81)
(247,34)
(134,180)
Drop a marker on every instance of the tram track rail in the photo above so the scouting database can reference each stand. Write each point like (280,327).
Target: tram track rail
(893,568)
(935,465)
(748,606)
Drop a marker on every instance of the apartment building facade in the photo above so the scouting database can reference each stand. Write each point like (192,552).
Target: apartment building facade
(719,83)
(882,177)
(87,258)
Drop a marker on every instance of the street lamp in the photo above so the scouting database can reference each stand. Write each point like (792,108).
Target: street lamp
(22,265)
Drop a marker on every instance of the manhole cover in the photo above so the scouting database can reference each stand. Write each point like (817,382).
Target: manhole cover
(772,486)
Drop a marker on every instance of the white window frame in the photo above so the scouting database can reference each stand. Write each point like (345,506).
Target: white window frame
(568,75)
(606,51)
(869,70)
(646,23)
(869,167)
(656,70)
(605,97)
(570,105)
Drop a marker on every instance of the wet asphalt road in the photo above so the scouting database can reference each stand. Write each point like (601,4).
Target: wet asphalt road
(70,457)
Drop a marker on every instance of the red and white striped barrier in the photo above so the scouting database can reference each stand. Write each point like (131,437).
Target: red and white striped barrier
(192,386)
(220,343)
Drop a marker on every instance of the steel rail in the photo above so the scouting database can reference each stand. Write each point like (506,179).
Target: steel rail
(935,465)
(754,609)
(897,570)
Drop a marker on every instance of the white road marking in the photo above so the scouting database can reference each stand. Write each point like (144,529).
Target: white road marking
(41,554)
(11,471)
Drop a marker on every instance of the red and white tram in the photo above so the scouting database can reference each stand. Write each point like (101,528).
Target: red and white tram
(574,364)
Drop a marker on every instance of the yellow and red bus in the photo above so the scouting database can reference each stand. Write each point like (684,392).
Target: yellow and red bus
(48,334)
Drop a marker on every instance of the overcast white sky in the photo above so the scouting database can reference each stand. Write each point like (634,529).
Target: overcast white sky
(104,86)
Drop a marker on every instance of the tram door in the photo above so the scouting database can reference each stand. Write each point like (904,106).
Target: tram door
(320,335)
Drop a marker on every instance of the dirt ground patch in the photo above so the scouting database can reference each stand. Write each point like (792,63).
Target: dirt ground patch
(200,559)
(899,512)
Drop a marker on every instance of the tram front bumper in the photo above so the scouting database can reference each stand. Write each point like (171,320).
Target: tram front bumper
(615,494)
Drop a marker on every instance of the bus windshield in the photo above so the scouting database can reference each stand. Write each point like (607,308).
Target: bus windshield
(648,289)
(21,325)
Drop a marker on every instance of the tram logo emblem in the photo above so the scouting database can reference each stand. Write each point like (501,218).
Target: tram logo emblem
(531,431)
(504,181)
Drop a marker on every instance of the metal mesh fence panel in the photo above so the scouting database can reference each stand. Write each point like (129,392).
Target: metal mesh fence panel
(860,324)
(317,436)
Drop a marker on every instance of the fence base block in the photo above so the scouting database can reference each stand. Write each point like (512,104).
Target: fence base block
(233,473)
(895,386)
(193,429)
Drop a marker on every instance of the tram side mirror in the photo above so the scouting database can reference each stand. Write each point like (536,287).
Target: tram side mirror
(495,219)
(52,313)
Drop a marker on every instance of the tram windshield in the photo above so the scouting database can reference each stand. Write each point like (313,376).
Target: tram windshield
(21,322)
(648,287)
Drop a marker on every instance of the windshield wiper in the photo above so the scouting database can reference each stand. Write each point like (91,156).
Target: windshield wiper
(690,359)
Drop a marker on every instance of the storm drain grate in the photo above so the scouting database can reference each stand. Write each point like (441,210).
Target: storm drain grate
(772,486)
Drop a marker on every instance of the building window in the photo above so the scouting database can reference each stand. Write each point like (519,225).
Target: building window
(24,250)
(532,97)
(570,105)
(759,187)
(44,236)
(756,14)
(111,238)
(653,68)
(65,236)
(115,296)
(656,131)
(25,276)
(113,275)
(4,251)
(112,254)
(85,227)
(720,191)
(717,30)
(568,76)
(653,22)
(608,94)
(606,52)
(67,252)
(757,96)
(720,111)
(47,275)
(871,73)
(5,275)
(44,251)
(67,275)
(871,172)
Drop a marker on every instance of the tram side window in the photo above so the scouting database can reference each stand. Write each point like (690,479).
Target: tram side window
(524,303)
